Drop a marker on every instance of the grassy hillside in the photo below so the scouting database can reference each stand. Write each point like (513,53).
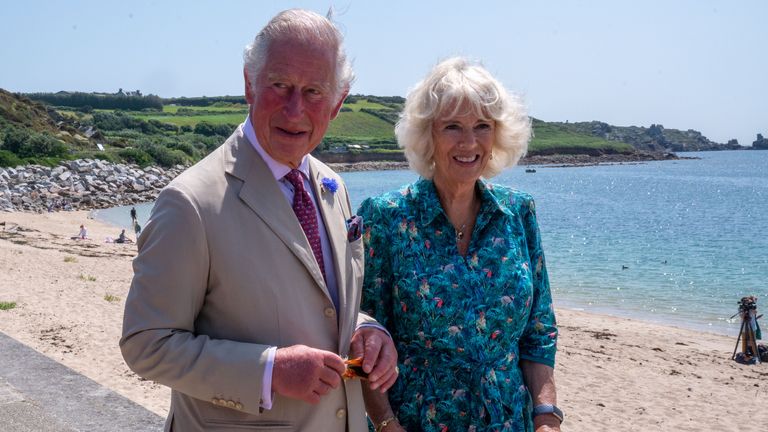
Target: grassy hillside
(552,138)
(181,134)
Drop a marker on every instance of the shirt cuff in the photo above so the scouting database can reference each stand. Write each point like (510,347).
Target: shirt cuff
(374,325)
(266,387)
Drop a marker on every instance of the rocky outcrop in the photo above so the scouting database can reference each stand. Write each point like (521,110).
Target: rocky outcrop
(655,138)
(760,143)
(80,184)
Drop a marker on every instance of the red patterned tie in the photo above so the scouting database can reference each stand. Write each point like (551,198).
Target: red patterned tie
(307,215)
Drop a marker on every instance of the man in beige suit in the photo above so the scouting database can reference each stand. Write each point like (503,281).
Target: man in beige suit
(246,288)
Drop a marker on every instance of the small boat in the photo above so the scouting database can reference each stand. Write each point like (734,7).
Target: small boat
(530,170)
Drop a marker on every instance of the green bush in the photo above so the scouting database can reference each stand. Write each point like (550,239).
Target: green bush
(15,140)
(163,155)
(109,157)
(8,159)
(44,145)
(45,161)
(137,156)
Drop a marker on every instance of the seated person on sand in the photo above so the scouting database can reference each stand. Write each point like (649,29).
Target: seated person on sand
(82,235)
(122,238)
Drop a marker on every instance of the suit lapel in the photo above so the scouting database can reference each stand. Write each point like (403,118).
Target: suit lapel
(335,226)
(261,193)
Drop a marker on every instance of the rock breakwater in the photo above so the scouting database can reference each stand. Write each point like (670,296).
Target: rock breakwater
(80,185)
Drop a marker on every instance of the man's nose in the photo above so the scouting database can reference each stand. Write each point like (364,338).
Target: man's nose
(294,106)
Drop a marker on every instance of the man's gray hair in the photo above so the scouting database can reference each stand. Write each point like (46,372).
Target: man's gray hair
(455,85)
(305,26)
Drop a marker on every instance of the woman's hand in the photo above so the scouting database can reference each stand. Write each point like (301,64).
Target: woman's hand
(546,423)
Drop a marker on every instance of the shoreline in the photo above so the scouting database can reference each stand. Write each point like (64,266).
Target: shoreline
(612,373)
(545,161)
(86,184)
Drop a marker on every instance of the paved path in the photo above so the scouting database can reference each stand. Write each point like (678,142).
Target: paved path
(38,394)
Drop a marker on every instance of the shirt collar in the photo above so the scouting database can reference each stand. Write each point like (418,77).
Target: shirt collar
(278,169)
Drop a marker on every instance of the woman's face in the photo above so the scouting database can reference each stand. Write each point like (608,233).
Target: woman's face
(463,145)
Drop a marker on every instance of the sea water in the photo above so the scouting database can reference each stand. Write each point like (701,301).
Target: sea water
(674,242)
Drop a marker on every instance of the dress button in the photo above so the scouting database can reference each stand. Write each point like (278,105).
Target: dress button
(215,401)
(341,413)
(231,404)
(329,312)
(239,406)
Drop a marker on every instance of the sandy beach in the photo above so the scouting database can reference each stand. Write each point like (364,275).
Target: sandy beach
(612,373)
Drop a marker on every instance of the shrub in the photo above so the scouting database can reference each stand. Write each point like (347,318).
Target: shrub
(15,139)
(163,155)
(44,145)
(137,156)
(8,159)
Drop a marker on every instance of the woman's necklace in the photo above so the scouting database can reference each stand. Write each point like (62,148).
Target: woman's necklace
(460,233)
(462,230)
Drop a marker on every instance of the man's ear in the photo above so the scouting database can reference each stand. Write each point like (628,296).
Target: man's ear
(248,89)
(338,106)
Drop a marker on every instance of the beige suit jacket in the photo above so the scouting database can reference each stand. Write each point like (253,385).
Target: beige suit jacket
(225,271)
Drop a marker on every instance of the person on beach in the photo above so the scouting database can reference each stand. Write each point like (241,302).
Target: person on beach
(82,234)
(133,214)
(454,267)
(246,289)
(122,238)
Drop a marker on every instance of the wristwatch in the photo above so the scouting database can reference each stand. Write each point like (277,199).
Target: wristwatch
(548,409)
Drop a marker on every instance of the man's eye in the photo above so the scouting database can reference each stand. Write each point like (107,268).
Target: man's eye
(280,85)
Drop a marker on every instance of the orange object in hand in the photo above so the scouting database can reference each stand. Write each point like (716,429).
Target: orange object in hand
(355,369)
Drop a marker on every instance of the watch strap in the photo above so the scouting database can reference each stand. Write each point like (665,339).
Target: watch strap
(548,409)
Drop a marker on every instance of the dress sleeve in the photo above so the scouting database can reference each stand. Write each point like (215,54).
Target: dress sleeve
(378,275)
(539,340)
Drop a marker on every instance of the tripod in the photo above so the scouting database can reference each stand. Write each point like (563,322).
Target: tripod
(748,332)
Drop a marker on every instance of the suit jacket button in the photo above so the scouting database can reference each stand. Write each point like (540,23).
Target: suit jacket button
(329,312)
(341,413)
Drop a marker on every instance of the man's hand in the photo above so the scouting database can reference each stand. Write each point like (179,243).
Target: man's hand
(379,356)
(305,373)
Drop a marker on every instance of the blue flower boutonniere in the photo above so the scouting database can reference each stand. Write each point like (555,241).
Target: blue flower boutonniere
(330,184)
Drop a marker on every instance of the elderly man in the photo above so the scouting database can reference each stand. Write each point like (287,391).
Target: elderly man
(246,290)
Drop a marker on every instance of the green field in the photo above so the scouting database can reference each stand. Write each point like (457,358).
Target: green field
(360,124)
(548,136)
(173,109)
(364,103)
(355,126)
(229,118)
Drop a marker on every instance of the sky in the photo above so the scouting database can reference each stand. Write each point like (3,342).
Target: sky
(684,64)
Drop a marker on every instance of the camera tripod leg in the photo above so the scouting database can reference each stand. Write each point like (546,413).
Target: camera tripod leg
(753,343)
(738,339)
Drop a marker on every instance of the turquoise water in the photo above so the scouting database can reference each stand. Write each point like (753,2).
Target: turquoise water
(674,242)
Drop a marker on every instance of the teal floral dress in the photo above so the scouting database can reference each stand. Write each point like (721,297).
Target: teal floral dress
(460,324)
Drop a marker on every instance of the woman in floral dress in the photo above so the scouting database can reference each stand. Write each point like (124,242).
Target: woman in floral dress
(455,268)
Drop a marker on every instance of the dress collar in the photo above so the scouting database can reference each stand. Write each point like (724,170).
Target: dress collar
(424,195)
